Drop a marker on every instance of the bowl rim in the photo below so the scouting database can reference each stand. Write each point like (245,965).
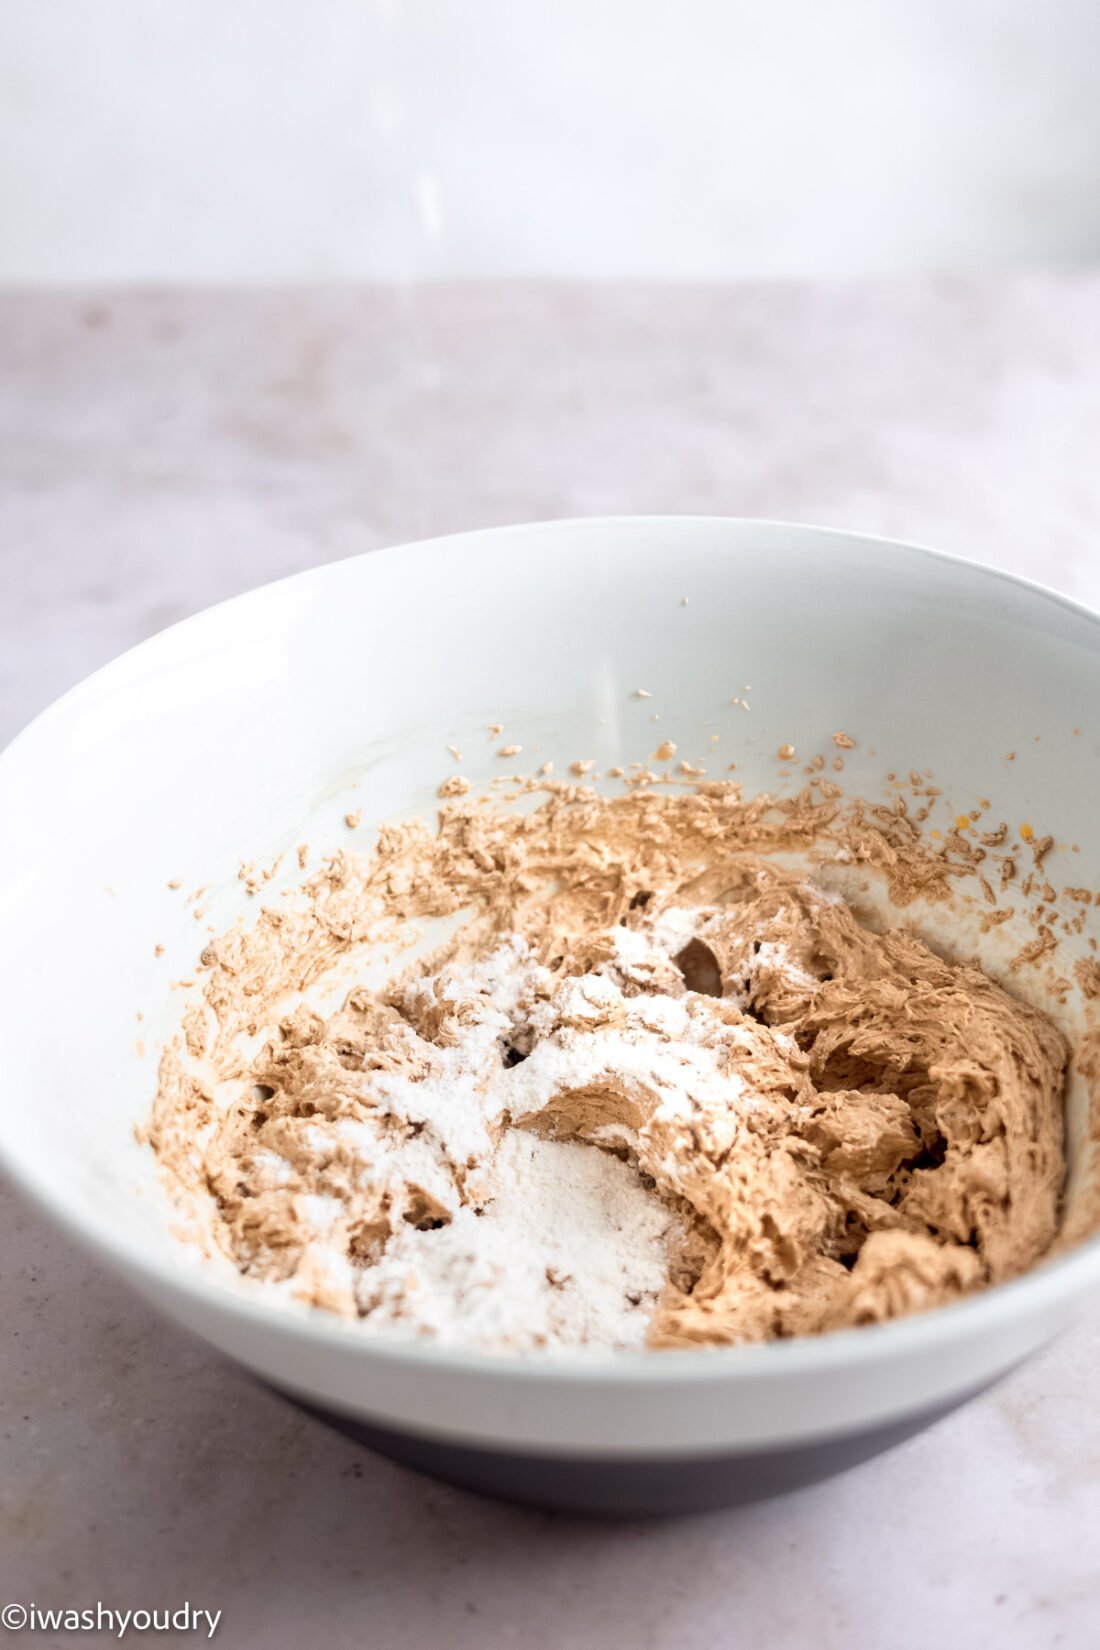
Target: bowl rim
(1052,1282)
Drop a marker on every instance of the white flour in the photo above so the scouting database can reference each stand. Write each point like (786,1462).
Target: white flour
(511,1239)
(570,1249)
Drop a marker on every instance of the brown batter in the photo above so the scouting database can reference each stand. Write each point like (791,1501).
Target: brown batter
(808,1124)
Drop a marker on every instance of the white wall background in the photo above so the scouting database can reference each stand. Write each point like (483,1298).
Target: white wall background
(302,139)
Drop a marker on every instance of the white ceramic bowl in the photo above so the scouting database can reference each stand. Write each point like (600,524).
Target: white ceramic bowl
(258,724)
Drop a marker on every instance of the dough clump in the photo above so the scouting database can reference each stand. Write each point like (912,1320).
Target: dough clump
(656,1088)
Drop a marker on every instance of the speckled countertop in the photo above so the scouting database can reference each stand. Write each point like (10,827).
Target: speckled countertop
(160,452)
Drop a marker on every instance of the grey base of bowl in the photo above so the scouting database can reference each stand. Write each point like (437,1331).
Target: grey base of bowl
(606,1487)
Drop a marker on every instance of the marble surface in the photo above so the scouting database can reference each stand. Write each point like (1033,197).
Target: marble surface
(161,451)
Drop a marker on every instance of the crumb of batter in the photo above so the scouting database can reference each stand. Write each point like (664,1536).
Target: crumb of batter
(455,785)
(656,1088)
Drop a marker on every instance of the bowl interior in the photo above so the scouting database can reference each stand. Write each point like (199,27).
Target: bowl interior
(260,724)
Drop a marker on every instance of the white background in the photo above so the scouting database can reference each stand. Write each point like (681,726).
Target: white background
(307,139)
